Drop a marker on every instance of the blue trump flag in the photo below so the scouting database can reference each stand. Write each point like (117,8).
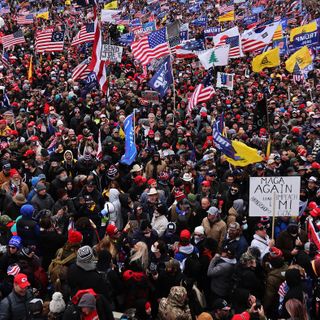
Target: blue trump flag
(162,79)
(130,147)
(222,143)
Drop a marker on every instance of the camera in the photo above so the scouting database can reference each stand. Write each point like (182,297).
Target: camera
(258,305)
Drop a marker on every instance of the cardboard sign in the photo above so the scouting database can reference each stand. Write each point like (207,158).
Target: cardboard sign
(286,191)
(150,95)
(111,53)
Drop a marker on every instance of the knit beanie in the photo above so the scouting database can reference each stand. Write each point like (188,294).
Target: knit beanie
(57,304)
(74,236)
(16,242)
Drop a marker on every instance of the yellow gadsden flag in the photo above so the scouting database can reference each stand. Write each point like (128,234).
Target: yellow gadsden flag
(245,155)
(302,57)
(229,16)
(43,15)
(310,27)
(268,59)
(111,5)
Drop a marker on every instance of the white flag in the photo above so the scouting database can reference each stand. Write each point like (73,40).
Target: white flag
(215,57)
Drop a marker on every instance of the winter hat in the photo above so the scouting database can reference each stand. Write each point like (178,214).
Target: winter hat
(87,301)
(246,257)
(111,230)
(27,210)
(35,307)
(74,236)
(199,230)
(205,316)
(192,197)
(14,172)
(185,234)
(179,195)
(241,316)
(6,221)
(275,253)
(57,304)
(16,242)
(13,270)
(40,186)
(112,172)
(85,258)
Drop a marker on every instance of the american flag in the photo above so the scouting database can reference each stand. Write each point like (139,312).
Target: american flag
(200,94)
(4,10)
(86,34)
(49,41)
(13,270)
(231,37)
(13,39)
(81,71)
(25,19)
(97,65)
(226,8)
(5,60)
(151,46)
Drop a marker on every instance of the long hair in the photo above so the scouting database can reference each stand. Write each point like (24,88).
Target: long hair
(296,309)
(106,244)
(140,253)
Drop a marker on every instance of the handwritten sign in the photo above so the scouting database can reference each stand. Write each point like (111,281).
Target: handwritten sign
(286,191)
(111,53)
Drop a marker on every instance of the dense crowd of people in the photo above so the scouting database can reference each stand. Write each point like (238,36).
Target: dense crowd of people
(84,235)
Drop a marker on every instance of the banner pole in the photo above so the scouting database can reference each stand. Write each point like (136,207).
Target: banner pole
(174,92)
(273,213)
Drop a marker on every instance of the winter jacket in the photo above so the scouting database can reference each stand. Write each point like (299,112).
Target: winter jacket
(175,306)
(161,166)
(12,190)
(28,230)
(217,231)
(184,252)
(41,203)
(159,224)
(220,271)
(15,306)
(261,243)
(286,243)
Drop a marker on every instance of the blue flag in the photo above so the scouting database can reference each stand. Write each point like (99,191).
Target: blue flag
(200,22)
(222,143)
(130,147)
(126,39)
(162,79)
(194,8)
(257,10)
(89,83)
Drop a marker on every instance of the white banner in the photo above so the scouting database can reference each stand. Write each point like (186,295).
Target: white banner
(111,53)
(286,191)
(109,15)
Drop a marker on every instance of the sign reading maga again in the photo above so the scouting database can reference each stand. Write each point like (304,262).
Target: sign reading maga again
(286,191)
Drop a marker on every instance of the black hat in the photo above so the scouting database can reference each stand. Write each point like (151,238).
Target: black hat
(220,304)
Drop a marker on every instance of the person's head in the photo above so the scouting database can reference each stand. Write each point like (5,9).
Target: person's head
(21,284)
(205,203)
(198,234)
(158,248)
(261,230)
(185,237)
(112,231)
(221,309)
(6,169)
(234,230)
(229,179)
(213,214)
(140,252)
(153,195)
(293,229)
(228,251)
(296,309)
(85,258)
(41,189)
(14,244)
(248,260)
(87,304)
(312,183)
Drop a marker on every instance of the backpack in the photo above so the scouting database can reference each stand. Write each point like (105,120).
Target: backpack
(58,268)
(192,266)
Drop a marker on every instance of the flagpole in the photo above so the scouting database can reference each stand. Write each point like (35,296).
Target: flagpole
(174,92)
(134,126)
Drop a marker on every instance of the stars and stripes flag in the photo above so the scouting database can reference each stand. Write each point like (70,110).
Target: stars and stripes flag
(86,34)
(49,41)
(200,94)
(97,65)
(151,46)
(81,71)
(226,8)
(258,37)
(297,75)
(25,19)
(13,39)
(231,37)
(5,60)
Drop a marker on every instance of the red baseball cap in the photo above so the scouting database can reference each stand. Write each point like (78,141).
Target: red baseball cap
(21,280)
(111,230)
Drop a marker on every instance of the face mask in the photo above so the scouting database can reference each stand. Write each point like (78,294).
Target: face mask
(244,227)
(197,239)
(233,192)
(147,235)
(64,178)
(293,234)
(157,139)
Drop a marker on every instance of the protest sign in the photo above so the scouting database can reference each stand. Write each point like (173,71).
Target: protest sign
(286,193)
(111,53)
(150,95)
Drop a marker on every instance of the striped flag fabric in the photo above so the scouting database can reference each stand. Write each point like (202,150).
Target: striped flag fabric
(226,8)
(5,60)
(13,39)
(151,46)
(231,37)
(86,34)
(258,37)
(25,19)
(200,94)
(81,71)
(97,65)
(278,33)
(49,41)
